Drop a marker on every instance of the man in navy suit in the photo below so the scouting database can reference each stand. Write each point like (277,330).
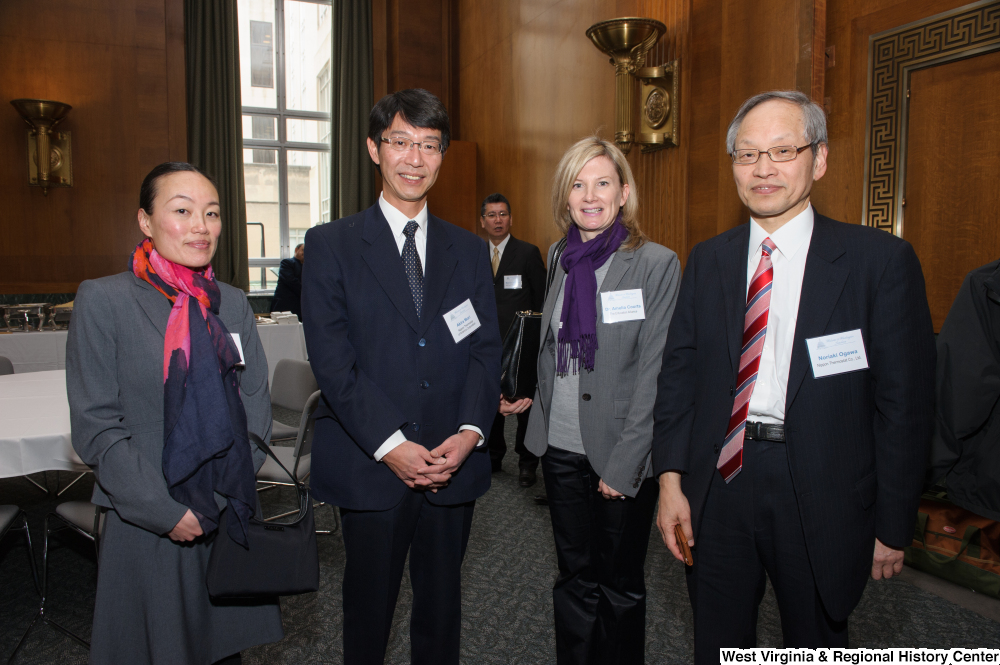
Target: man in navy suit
(288,292)
(795,399)
(400,324)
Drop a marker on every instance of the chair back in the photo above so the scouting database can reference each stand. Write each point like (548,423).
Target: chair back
(307,423)
(6,366)
(292,384)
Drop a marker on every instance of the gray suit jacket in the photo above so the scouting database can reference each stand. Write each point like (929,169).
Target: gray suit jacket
(616,399)
(114,381)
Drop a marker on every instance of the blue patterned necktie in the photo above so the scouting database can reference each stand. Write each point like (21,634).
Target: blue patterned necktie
(411,264)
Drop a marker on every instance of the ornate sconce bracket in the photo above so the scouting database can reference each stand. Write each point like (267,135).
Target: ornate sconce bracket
(659,105)
(627,40)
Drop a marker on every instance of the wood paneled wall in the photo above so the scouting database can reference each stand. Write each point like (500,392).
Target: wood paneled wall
(849,25)
(531,83)
(120,65)
(414,47)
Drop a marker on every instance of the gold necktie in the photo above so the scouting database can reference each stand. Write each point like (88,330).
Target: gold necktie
(496,260)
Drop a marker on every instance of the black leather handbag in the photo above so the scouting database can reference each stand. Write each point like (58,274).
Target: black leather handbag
(282,559)
(519,359)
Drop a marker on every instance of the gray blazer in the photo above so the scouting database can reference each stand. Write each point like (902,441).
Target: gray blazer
(155,604)
(114,381)
(616,399)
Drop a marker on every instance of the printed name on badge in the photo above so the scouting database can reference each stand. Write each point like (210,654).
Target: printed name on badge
(512,281)
(837,353)
(462,321)
(239,347)
(621,306)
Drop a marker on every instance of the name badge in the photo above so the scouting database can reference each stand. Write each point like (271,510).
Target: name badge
(512,281)
(239,347)
(462,321)
(838,353)
(623,306)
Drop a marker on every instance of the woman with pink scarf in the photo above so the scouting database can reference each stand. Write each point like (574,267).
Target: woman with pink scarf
(161,405)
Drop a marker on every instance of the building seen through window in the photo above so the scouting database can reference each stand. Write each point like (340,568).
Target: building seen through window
(285,79)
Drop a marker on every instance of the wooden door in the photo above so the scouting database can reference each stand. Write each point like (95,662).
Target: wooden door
(952,195)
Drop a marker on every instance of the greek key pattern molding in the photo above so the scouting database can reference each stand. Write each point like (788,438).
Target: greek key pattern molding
(891,55)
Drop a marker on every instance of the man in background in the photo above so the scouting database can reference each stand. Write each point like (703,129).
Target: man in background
(518,285)
(288,293)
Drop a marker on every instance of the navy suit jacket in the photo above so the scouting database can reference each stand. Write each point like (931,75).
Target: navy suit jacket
(856,442)
(381,369)
(288,292)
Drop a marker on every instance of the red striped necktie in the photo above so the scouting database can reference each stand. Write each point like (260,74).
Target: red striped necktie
(754,330)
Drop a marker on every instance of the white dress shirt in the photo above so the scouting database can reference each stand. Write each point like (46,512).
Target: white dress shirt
(397,222)
(500,247)
(767,402)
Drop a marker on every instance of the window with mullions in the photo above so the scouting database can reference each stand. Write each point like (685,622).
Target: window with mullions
(285,73)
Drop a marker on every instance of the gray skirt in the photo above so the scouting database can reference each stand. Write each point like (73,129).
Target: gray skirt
(153,606)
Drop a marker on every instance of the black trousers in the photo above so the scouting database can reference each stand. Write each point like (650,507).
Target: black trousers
(599,597)
(751,528)
(377,543)
(498,444)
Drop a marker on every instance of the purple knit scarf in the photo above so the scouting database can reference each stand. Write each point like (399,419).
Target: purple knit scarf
(578,333)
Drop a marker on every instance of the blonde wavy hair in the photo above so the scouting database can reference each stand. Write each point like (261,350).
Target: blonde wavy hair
(569,168)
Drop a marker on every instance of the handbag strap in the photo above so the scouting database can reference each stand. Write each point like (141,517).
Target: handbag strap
(556,255)
(270,453)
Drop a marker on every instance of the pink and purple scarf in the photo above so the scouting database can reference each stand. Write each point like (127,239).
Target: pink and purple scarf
(205,443)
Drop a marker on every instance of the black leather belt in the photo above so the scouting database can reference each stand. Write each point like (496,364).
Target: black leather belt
(765,432)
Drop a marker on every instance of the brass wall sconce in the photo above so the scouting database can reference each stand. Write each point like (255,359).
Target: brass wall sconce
(627,40)
(55,168)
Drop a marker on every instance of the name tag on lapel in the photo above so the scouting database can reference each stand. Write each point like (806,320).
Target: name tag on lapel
(462,321)
(239,347)
(512,281)
(621,306)
(837,353)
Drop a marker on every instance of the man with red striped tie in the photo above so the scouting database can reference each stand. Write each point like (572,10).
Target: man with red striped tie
(795,399)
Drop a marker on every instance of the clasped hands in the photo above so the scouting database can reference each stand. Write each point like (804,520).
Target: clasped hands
(430,470)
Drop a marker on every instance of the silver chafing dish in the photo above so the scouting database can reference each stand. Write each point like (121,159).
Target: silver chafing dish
(60,317)
(29,317)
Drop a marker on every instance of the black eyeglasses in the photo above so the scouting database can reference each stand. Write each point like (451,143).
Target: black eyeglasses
(779,153)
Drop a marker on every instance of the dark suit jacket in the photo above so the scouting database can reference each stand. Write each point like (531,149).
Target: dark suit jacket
(524,259)
(965,447)
(288,293)
(381,369)
(857,442)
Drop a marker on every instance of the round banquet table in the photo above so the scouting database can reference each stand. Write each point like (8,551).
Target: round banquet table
(34,425)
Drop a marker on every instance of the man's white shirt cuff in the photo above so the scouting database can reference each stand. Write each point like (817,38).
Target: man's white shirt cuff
(398,437)
(476,430)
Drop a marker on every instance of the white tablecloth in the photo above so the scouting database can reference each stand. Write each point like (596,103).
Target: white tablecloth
(35,351)
(42,351)
(34,424)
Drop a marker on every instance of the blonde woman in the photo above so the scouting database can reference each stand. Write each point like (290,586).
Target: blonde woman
(604,326)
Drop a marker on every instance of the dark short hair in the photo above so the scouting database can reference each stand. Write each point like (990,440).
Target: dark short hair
(496,197)
(297,246)
(417,107)
(148,190)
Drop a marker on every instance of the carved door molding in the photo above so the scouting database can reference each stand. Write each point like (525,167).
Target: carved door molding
(892,56)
